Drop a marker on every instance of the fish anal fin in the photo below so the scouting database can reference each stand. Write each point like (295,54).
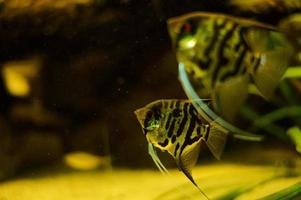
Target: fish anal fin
(272,66)
(216,141)
(230,95)
(187,160)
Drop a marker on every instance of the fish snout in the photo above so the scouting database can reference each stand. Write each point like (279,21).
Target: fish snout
(139,112)
(140,115)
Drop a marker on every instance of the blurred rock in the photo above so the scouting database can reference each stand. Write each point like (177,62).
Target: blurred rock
(80,160)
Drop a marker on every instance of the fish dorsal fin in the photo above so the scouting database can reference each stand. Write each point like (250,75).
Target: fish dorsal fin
(201,101)
(187,160)
(216,140)
(233,91)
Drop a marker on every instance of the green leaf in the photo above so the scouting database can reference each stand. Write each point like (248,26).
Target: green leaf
(295,135)
(291,192)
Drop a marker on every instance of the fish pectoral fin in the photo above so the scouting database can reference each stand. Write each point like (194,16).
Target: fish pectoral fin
(187,160)
(270,71)
(216,140)
(230,95)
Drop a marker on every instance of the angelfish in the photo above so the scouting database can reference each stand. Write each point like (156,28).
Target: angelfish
(225,54)
(176,127)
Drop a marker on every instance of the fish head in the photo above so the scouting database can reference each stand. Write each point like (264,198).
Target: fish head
(151,120)
(190,34)
(183,31)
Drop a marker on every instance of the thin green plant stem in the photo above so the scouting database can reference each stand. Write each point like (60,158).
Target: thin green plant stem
(239,191)
(293,72)
(287,92)
(271,128)
(282,113)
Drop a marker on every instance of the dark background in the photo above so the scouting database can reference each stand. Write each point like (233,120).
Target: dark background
(99,61)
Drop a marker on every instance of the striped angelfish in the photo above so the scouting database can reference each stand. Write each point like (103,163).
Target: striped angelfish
(225,54)
(176,127)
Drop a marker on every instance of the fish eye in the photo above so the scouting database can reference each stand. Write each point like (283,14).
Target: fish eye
(149,114)
(186,28)
(152,124)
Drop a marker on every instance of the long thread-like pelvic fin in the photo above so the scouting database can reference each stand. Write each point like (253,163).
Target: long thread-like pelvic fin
(152,152)
(207,113)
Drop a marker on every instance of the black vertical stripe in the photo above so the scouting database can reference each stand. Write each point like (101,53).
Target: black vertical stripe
(173,139)
(168,121)
(194,121)
(256,65)
(197,116)
(207,130)
(239,61)
(171,128)
(216,32)
(199,131)
(196,138)
(176,149)
(238,65)
(189,132)
(204,64)
(184,120)
(193,114)
(220,56)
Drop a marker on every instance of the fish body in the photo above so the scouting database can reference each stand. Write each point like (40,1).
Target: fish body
(225,54)
(176,127)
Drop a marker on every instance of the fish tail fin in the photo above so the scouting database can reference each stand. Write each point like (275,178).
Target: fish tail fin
(216,139)
(272,67)
(274,52)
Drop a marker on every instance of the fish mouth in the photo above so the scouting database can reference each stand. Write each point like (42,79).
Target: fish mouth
(140,115)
